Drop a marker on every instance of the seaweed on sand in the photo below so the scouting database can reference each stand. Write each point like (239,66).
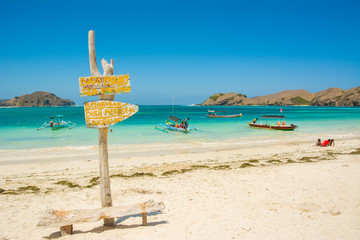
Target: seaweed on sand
(357,151)
(167,173)
(245,165)
(137,174)
(67,183)
(31,189)
(199,166)
(222,167)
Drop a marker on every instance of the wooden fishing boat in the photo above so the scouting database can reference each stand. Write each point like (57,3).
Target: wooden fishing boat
(278,126)
(57,122)
(213,114)
(175,124)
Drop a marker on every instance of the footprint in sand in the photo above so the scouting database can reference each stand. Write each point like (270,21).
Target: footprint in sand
(332,212)
(308,207)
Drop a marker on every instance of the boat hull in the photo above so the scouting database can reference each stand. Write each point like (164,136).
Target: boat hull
(58,126)
(224,116)
(166,127)
(283,128)
(177,129)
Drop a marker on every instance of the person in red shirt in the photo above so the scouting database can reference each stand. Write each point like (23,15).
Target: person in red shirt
(326,143)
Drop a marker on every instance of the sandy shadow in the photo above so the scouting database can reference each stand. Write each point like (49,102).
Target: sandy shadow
(121,219)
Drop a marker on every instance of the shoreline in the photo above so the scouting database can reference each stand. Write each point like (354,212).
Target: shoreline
(175,157)
(90,152)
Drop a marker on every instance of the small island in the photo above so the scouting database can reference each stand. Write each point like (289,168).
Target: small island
(328,97)
(37,99)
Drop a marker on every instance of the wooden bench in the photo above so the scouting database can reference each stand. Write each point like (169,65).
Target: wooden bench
(66,218)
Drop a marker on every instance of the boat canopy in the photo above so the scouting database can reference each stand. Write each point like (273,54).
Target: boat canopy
(174,119)
(213,111)
(272,116)
(56,116)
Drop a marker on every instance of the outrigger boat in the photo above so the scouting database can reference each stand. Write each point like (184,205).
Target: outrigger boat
(212,114)
(57,122)
(278,126)
(175,124)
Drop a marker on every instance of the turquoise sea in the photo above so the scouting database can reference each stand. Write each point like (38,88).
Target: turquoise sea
(18,126)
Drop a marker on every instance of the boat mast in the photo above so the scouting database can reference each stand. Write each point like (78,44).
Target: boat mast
(172,109)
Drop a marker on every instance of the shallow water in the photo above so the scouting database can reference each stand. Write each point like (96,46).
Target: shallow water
(18,126)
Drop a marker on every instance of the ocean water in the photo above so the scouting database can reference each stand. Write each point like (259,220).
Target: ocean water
(18,126)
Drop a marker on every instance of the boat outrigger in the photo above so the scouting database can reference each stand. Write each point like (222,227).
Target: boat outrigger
(278,126)
(213,114)
(57,122)
(175,124)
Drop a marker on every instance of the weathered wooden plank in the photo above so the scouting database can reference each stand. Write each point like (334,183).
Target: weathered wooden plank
(68,217)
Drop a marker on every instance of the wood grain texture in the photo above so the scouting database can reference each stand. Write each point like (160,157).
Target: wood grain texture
(52,218)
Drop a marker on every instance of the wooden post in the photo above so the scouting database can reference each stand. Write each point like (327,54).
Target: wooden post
(105,190)
(66,230)
(144,214)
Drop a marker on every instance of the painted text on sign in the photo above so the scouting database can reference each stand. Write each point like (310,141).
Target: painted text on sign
(101,114)
(103,85)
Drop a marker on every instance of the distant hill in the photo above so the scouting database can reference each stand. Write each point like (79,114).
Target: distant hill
(328,97)
(37,99)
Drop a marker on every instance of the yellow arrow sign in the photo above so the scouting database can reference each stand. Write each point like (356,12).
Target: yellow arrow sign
(100,114)
(103,85)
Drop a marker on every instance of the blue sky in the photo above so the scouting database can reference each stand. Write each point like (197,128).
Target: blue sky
(182,49)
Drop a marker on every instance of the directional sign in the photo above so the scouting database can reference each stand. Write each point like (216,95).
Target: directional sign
(102,85)
(100,114)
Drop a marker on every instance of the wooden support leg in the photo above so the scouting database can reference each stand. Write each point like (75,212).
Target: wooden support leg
(144,215)
(144,219)
(66,230)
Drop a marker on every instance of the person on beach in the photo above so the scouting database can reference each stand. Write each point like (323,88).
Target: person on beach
(325,143)
(318,143)
(185,123)
(254,120)
(51,123)
(283,123)
(329,142)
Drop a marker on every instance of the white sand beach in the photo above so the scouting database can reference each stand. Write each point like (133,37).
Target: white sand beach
(282,190)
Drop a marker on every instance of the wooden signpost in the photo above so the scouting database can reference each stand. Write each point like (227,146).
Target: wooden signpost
(104,113)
